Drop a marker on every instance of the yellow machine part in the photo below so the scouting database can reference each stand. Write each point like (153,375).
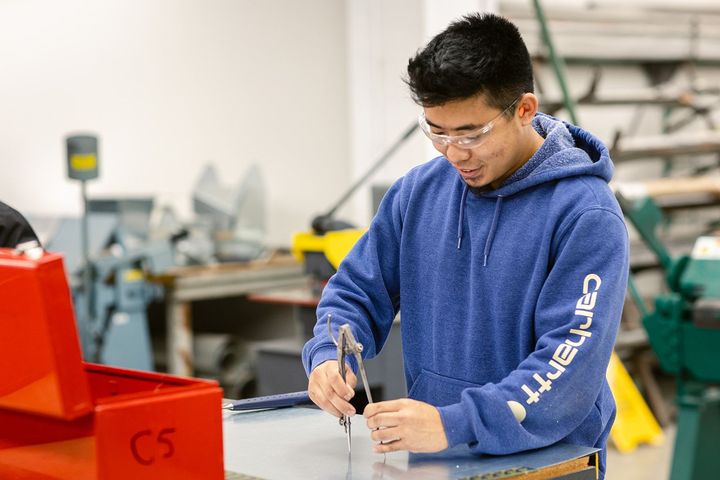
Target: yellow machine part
(335,244)
(83,162)
(634,423)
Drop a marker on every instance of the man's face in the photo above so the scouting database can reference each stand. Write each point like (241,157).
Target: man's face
(500,152)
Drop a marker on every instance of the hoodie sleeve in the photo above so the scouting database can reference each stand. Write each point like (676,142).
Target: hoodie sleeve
(577,315)
(365,291)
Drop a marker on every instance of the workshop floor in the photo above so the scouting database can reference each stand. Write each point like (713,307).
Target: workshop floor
(645,463)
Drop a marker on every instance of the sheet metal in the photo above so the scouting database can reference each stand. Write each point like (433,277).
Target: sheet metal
(310,444)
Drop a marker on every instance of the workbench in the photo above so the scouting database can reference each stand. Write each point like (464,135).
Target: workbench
(188,284)
(307,443)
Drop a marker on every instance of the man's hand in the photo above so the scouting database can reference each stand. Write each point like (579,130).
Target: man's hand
(328,390)
(405,425)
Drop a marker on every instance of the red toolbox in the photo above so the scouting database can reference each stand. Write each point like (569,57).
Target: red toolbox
(62,418)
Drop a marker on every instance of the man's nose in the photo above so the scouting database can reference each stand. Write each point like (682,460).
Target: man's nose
(456,155)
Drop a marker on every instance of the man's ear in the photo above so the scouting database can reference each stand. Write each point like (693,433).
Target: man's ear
(527,108)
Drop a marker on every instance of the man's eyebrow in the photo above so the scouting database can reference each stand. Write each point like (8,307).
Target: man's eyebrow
(468,126)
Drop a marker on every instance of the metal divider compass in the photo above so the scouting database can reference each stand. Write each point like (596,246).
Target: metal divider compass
(348,345)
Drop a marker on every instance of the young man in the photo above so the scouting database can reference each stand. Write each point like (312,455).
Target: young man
(14,229)
(507,256)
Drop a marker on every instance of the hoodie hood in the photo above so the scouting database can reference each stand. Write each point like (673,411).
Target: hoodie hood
(567,151)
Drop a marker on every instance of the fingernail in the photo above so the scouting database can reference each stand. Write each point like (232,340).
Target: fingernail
(349,395)
(350,411)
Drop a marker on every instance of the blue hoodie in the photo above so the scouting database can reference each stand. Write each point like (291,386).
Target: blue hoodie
(510,298)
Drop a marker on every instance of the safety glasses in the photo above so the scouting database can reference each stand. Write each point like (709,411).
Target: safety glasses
(467,141)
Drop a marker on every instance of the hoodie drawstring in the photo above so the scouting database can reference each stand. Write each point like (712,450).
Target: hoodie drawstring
(493,227)
(462,213)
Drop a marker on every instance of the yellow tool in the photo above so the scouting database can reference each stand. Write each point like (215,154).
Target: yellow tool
(322,249)
(634,423)
(333,245)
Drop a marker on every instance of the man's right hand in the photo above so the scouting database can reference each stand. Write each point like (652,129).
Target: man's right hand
(328,390)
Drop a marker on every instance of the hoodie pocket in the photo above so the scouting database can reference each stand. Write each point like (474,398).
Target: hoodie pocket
(438,390)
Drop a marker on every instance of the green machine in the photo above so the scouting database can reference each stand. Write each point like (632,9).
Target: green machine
(684,332)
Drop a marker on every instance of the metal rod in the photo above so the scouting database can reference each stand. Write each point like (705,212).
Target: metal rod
(635,295)
(87,276)
(358,183)
(557,63)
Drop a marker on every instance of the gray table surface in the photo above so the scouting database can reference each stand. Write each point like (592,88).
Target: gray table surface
(307,443)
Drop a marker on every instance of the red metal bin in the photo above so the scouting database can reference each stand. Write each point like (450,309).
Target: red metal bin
(62,418)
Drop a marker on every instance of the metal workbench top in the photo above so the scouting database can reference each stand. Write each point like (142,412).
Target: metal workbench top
(306,443)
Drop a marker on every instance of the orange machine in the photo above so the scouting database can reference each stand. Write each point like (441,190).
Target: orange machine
(62,418)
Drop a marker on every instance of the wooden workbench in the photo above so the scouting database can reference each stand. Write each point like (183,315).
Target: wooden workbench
(185,285)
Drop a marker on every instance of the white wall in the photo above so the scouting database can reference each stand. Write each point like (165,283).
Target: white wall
(311,90)
(382,37)
(169,85)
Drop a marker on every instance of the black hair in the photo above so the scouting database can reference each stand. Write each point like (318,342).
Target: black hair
(480,54)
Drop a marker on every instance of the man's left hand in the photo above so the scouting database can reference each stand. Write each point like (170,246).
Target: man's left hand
(405,425)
